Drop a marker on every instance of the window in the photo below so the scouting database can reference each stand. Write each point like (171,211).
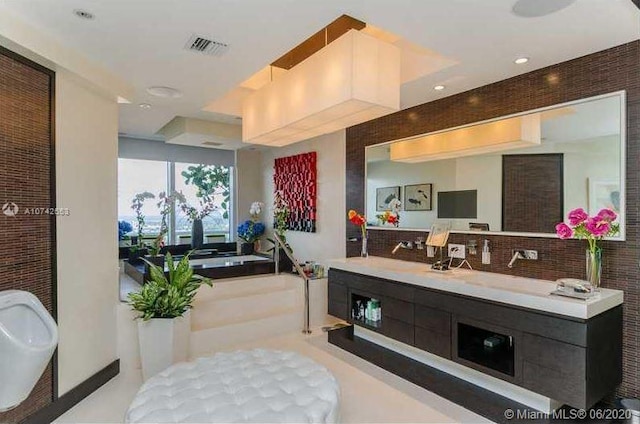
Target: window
(137,176)
(217,224)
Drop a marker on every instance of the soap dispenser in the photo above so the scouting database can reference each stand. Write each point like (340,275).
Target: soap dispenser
(486,254)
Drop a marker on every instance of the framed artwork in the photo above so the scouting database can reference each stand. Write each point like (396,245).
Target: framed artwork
(295,177)
(384,196)
(604,194)
(417,197)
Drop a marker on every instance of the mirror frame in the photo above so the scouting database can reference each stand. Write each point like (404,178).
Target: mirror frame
(622,97)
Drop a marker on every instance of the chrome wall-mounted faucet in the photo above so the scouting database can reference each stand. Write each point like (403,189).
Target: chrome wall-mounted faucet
(531,255)
(402,244)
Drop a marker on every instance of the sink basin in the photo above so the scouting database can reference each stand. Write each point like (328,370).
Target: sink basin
(520,291)
(507,282)
(392,264)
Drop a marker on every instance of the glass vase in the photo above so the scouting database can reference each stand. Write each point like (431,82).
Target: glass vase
(363,251)
(197,234)
(594,267)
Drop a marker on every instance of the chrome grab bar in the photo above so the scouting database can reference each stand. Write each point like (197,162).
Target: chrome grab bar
(279,242)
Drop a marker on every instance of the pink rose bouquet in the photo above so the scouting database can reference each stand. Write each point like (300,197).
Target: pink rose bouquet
(590,228)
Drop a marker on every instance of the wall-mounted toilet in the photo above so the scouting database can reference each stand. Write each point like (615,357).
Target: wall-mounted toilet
(28,337)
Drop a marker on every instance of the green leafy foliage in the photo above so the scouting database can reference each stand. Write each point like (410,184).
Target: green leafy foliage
(136,204)
(168,296)
(210,181)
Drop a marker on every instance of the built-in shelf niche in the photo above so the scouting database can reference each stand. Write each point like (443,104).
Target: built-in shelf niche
(486,348)
(358,308)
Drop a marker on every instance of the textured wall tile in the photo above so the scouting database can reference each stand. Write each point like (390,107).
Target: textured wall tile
(604,72)
(25,178)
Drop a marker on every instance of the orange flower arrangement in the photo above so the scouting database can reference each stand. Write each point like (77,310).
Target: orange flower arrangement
(358,220)
(389,217)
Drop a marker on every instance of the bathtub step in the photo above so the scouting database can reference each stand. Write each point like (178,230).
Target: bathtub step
(233,310)
(242,286)
(208,341)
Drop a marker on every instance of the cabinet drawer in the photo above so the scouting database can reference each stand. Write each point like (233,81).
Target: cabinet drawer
(373,285)
(397,309)
(566,359)
(338,309)
(337,292)
(554,384)
(397,330)
(433,319)
(433,342)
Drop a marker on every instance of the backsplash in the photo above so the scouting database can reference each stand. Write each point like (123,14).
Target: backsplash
(603,72)
(556,258)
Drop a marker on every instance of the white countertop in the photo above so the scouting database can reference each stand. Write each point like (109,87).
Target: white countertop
(518,291)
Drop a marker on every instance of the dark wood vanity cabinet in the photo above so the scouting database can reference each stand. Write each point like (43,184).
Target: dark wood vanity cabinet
(433,330)
(338,300)
(396,303)
(571,360)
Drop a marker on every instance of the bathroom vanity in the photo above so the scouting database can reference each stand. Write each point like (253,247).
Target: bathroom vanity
(510,329)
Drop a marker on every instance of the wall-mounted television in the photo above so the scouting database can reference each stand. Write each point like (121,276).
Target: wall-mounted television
(460,204)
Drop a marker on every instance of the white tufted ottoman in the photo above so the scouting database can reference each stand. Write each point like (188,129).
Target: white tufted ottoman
(244,386)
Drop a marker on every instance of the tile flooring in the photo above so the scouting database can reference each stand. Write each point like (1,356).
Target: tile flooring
(369,393)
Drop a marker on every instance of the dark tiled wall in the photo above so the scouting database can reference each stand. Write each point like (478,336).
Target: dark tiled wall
(611,70)
(26,159)
(532,192)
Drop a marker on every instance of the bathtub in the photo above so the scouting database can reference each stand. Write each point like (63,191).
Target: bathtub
(232,266)
(226,261)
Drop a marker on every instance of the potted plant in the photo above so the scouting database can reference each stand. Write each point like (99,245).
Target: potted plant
(166,204)
(280,226)
(124,228)
(138,250)
(210,181)
(251,230)
(164,322)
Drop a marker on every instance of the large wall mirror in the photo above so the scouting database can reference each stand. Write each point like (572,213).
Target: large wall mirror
(516,175)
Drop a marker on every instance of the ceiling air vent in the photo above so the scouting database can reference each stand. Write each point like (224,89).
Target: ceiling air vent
(211,143)
(204,45)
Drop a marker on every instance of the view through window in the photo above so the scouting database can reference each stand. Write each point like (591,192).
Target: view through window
(136,176)
(216,225)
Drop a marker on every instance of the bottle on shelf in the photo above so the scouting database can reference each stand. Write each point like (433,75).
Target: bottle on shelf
(376,310)
(373,310)
(367,313)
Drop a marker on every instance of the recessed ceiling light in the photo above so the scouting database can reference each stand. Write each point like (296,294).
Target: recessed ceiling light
(166,92)
(144,106)
(537,8)
(83,14)
(521,60)
(439,87)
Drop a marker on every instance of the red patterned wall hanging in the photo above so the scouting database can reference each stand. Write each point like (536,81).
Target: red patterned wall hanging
(295,177)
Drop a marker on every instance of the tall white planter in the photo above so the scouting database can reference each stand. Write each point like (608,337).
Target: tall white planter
(163,342)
